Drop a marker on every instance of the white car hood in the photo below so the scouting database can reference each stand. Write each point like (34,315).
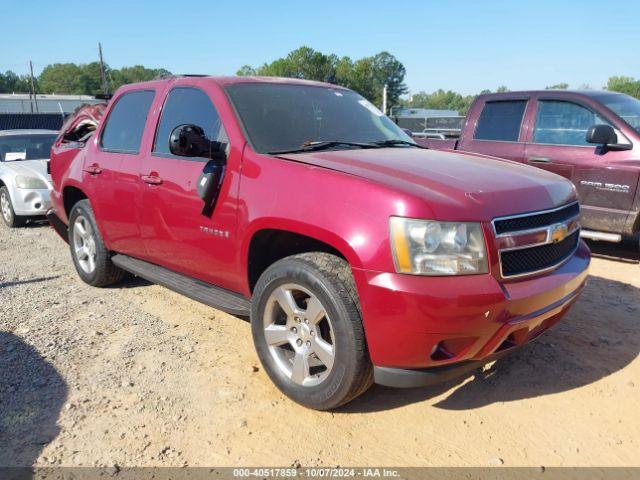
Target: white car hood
(30,168)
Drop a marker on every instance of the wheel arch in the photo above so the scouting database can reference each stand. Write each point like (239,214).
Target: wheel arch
(71,194)
(272,241)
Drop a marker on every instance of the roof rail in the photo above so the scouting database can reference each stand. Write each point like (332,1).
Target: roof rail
(180,75)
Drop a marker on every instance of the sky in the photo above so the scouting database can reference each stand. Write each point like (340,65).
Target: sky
(460,45)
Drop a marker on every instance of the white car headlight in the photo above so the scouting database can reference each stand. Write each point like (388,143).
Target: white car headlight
(428,247)
(22,181)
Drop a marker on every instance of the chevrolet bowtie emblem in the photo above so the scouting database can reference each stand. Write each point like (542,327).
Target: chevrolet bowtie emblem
(559,233)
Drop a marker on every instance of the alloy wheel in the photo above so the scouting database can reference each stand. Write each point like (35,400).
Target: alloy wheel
(84,244)
(299,334)
(6,207)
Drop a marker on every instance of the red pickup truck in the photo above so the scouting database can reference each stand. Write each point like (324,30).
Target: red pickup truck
(358,255)
(590,137)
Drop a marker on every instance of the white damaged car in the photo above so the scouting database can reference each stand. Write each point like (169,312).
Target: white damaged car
(24,181)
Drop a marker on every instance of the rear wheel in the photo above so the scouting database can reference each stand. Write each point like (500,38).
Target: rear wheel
(9,216)
(90,256)
(308,332)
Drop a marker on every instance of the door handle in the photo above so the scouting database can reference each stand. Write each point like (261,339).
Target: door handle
(539,160)
(93,169)
(152,179)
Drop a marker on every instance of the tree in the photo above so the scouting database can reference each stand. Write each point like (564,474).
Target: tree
(246,71)
(389,71)
(303,63)
(61,78)
(557,86)
(134,74)
(628,85)
(367,75)
(442,100)
(86,79)
(13,83)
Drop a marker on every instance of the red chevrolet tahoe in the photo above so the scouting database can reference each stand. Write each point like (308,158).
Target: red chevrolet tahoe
(358,255)
(590,137)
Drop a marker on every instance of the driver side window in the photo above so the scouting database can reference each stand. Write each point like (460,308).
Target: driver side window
(187,105)
(564,123)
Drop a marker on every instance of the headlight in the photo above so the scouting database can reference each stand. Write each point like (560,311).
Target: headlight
(427,247)
(22,181)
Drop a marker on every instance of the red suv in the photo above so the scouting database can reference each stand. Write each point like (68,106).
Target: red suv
(358,255)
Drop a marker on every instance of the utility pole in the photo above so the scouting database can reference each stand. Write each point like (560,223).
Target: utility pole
(384,99)
(105,83)
(33,87)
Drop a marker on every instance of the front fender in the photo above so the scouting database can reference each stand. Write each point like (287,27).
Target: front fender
(346,247)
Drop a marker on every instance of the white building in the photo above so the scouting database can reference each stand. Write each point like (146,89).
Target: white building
(25,103)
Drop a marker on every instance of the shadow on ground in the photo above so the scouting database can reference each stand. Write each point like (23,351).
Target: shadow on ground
(32,393)
(37,223)
(599,336)
(26,282)
(130,281)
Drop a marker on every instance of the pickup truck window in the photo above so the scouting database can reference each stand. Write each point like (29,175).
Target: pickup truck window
(187,105)
(280,117)
(501,121)
(124,127)
(564,123)
(626,107)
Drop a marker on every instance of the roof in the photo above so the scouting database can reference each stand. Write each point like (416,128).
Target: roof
(585,93)
(225,81)
(28,132)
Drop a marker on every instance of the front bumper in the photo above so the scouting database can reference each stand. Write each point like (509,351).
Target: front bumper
(423,377)
(30,202)
(416,323)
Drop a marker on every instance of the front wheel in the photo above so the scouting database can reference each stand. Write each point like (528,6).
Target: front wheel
(308,332)
(9,216)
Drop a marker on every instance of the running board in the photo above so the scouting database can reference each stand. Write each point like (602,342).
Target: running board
(202,292)
(607,237)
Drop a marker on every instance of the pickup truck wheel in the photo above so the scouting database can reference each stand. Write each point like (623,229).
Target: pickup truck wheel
(90,256)
(308,332)
(6,208)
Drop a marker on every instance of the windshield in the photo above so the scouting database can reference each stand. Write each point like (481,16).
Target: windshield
(280,117)
(626,107)
(25,147)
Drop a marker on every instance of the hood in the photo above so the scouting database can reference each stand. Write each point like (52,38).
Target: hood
(479,187)
(30,168)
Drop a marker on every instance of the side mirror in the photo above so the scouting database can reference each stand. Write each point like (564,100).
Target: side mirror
(602,135)
(191,141)
(408,132)
(606,136)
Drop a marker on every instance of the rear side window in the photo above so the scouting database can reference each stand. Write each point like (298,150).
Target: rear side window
(501,121)
(564,123)
(187,105)
(125,124)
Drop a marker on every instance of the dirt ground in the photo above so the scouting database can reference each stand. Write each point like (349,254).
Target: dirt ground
(139,376)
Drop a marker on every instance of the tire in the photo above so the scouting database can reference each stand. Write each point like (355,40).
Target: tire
(90,256)
(317,288)
(7,213)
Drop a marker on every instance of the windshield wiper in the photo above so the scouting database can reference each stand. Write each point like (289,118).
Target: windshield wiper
(394,143)
(316,146)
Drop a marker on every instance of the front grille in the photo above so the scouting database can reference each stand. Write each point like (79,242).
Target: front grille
(536,220)
(541,257)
